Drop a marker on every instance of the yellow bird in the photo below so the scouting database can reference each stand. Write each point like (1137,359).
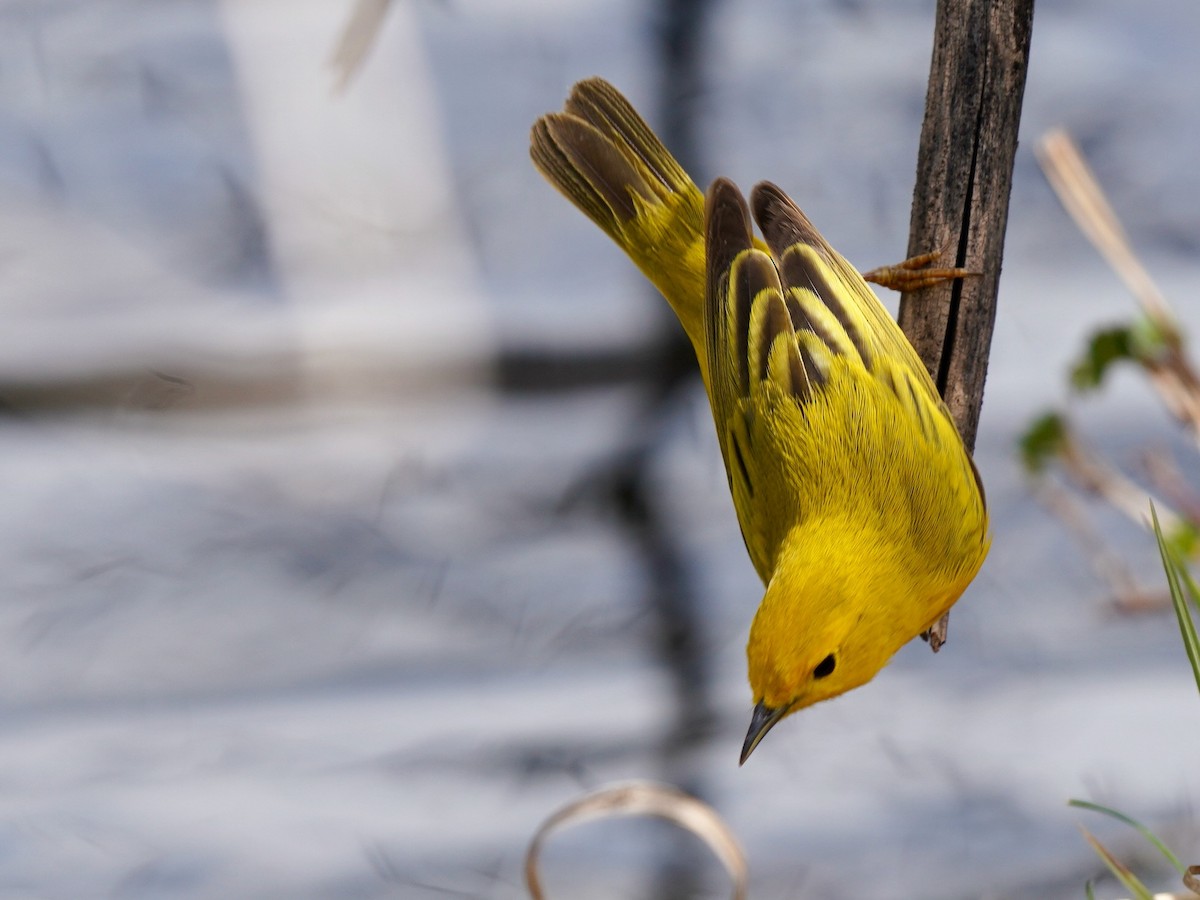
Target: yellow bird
(859,505)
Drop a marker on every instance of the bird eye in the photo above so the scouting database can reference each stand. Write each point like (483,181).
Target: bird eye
(825,667)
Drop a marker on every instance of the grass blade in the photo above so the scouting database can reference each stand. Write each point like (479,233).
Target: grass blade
(1176,573)
(1120,871)
(1135,824)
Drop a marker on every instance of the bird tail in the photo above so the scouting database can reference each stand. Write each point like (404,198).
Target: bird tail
(604,158)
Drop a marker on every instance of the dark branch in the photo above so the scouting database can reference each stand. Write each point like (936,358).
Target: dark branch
(964,175)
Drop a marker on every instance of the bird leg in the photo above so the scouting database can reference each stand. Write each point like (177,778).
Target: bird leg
(935,636)
(916,272)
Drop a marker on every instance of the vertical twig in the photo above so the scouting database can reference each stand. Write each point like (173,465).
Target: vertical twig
(964,174)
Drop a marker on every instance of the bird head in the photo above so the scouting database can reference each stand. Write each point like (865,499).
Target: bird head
(822,629)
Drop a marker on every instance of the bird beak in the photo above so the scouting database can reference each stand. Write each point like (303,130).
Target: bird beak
(761,722)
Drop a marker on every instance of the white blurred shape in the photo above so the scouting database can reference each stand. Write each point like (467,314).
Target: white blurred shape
(355,185)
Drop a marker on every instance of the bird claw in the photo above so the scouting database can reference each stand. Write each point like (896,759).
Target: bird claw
(916,272)
(935,635)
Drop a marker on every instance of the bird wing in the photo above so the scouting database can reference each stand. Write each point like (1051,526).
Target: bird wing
(775,323)
(750,342)
(818,280)
(840,308)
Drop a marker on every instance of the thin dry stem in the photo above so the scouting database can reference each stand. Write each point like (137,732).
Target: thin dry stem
(1104,562)
(1085,201)
(1175,382)
(1166,477)
(357,40)
(1095,476)
(644,798)
(1172,376)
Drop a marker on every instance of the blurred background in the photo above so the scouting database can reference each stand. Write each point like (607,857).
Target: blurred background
(359,510)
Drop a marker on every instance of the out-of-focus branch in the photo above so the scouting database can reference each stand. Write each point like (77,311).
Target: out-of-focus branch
(1051,440)
(1164,474)
(1084,200)
(1095,476)
(1155,343)
(357,40)
(1170,370)
(1104,562)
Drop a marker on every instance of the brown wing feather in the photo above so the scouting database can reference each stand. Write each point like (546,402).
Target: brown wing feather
(869,327)
(747,308)
(726,235)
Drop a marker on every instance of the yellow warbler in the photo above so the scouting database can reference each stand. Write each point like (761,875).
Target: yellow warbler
(860,507)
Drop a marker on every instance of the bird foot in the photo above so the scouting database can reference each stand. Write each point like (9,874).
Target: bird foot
(916,272)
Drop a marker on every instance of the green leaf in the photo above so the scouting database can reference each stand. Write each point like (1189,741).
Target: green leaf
(1177,577)
(1104,348)
(1145,340)
(1151,339)
(1184,539)
(1133,823)
(1042,441)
